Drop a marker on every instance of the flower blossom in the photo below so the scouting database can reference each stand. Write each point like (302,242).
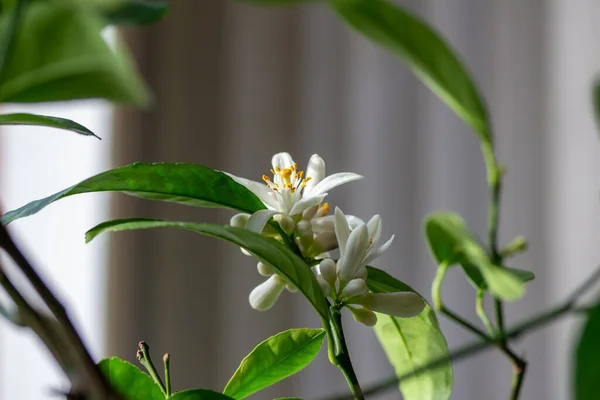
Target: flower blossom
(345,280)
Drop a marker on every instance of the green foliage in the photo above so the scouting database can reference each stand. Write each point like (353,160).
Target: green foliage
(411,343)
(136,12)
(269,251)
(451,242)
(596,100)
(199,394)
(274,359)
(129,381)
(59,54)
(43,120)
(188,184)
(275,2)
(476,279)
(587,359)
(424,51)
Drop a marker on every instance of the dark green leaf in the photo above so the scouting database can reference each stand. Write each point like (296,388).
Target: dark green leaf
(274,359)
(189,184)
(137,12)
(269,251)
(477,281)
(451,242)
(59,54)
(43,120)
(411,343)
(596,100)
(129,381)
(199,394)
(587,359)
(425,53)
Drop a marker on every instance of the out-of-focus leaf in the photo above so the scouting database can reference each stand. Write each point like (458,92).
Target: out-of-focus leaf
(44,120)
(586,373)
(199,394)
(425,53)
(137,12)
(410,343)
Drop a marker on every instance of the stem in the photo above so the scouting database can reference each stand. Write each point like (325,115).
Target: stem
(480,310)
(342,356)
(436,294)
(146,361)
(518,378)
(166,362)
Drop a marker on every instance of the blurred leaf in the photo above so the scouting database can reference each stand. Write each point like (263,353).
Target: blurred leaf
(476,279)
(587,359)
(199,394)
(137,12)
(276,2)
(451,242)
(129,381)
(43,120)
(596,100)
(410,343)
(275,359)
(425,53)
(189,184)
(59,54)
(277,256)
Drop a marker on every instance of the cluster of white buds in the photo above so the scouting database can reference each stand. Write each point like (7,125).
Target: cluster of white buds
(295,202)
(345,282)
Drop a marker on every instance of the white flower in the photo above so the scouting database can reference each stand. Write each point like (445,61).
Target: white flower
(345,281)
(289,191)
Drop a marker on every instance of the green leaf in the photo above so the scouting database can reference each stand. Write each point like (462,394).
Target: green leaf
(425,53)
(189,184)
(587,359)
(137,12)
(476,279)
(43,120)
(199,394)
(277,256)
(411,343)
(596,100)
(129,381)
(451,242)
(276,2)
(78,64)
(274,359)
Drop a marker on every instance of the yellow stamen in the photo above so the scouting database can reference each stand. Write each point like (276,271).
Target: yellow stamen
(286,174)
(325,208)
(266,178)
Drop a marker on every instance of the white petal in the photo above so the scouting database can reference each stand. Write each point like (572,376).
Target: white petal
(309,213)
(266,294)
(305,203)
(399,304)
(333,181)
(376,253)
(282,160)
(342,230)
(365,317)
(356,287)
(350,260)
(327,270)
(261,191)
(354,221)
(374,227)
(316,171)
(259,219)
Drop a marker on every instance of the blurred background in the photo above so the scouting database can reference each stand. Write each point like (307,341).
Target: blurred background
(235,84)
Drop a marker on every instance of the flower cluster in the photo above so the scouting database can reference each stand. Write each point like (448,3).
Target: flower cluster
(295,200)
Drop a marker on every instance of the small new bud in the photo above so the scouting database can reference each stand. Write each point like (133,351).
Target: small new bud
(354,288)
(327,270)
(287,224)
(266,294)
(365,317)
(239,220)
(518,245)
(264,269)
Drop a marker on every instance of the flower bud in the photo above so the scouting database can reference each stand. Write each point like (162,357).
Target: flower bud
(264,269)
(354,288)
(325,287)
(327,270)
(398,304)
(323,242)
(287,224)
(266,294)
(365,317)
(239,220)
(291,287)
(309,213)
(356,246)
(304,235)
